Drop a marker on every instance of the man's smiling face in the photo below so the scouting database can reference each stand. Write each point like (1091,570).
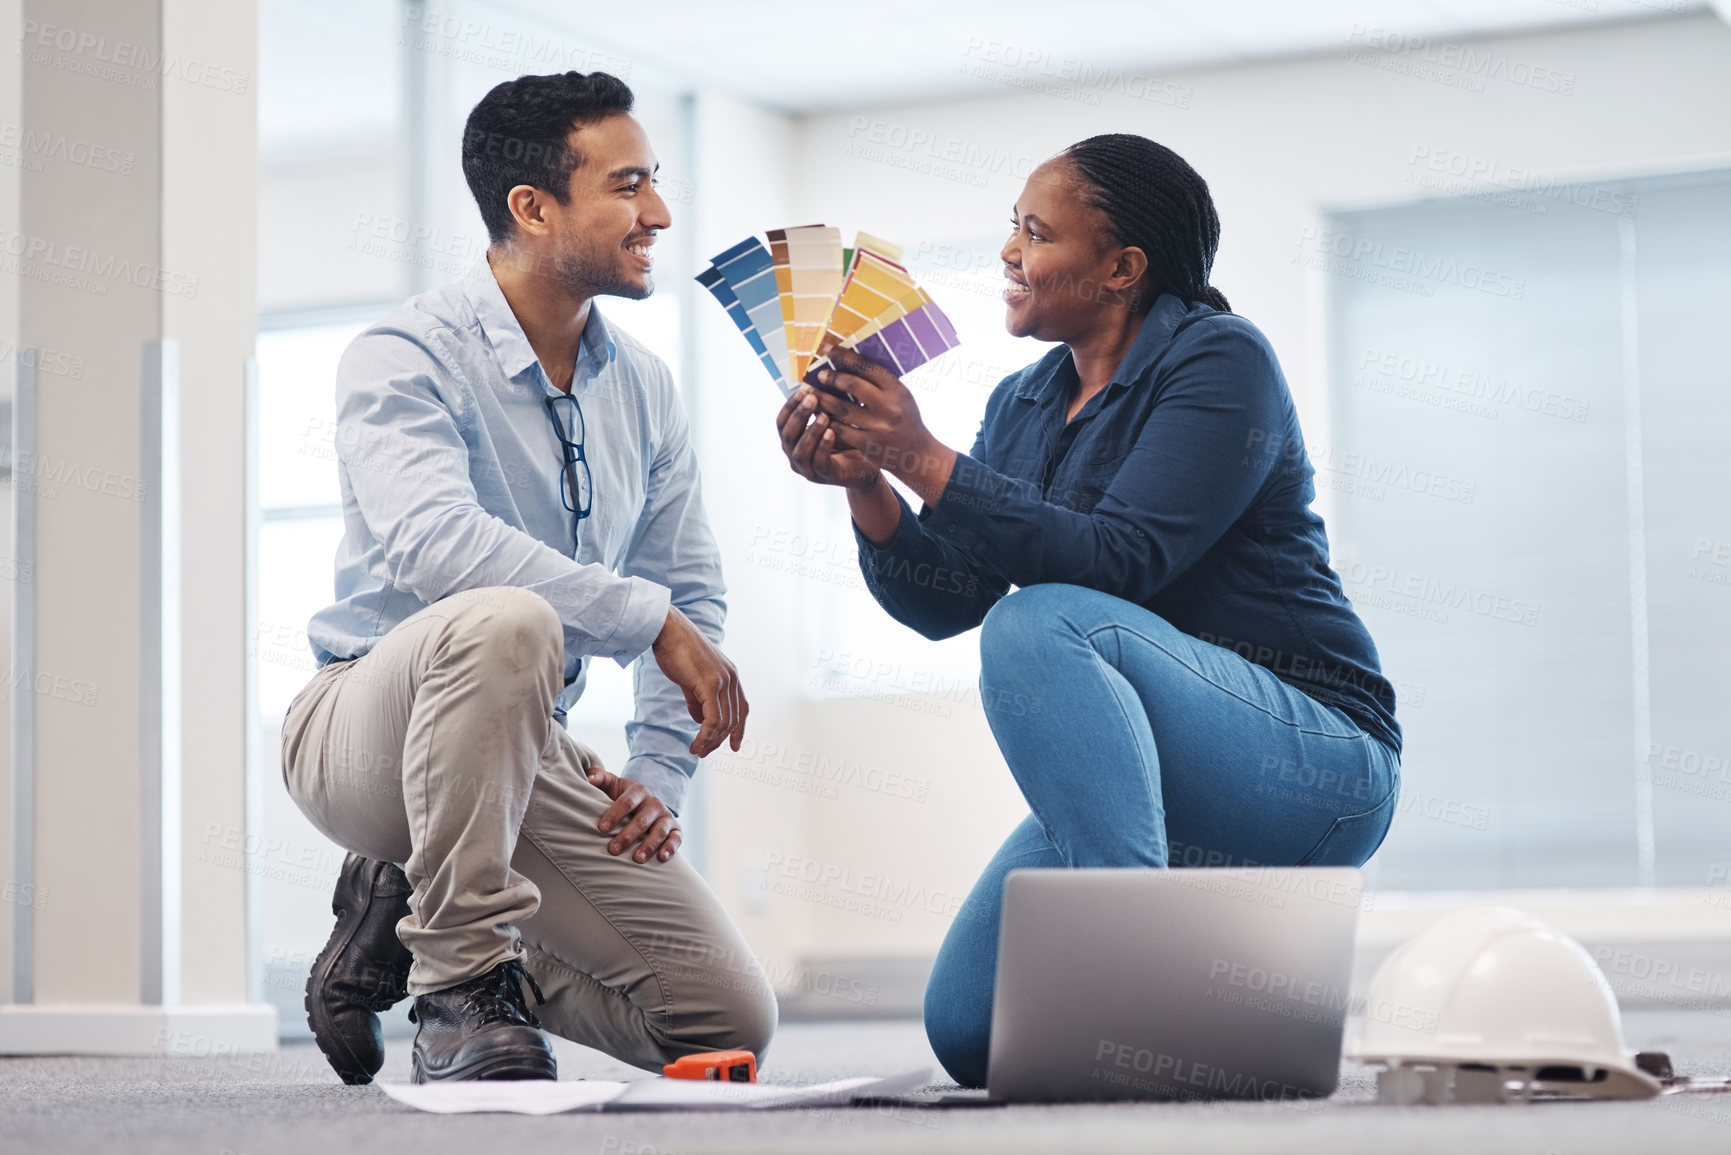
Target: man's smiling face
(602,236)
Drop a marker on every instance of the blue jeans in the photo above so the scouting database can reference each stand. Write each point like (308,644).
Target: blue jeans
(1138,745)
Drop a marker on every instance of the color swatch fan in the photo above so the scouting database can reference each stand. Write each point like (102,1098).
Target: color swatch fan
(803,295)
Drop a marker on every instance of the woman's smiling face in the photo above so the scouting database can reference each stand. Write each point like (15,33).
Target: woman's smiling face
(1061,264)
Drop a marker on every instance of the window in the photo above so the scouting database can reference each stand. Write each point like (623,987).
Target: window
(300,512)
(1526,475)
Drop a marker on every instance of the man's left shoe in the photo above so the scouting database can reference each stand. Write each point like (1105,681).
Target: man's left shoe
(482,1028)
(363,969)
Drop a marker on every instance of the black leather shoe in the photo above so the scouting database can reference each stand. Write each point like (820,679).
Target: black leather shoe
(482,1029)
(363,969)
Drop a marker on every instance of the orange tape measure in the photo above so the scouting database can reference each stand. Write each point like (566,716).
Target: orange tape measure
(715,1066)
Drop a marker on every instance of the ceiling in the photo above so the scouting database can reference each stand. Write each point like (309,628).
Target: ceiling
(330,70)
(818,55)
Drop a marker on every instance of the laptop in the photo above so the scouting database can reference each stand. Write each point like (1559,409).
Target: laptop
(1173,984)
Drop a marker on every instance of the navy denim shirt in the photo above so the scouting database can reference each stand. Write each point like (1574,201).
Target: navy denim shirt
(1183,486)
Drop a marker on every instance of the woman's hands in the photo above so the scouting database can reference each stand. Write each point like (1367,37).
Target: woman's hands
(809,442)
(880,428)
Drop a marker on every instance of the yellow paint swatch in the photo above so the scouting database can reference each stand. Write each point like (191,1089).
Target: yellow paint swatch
(895,312)
(874,286)
(888,250)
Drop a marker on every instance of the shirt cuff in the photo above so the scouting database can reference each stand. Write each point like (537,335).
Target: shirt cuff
(907,533)
(668,785)
(645,614)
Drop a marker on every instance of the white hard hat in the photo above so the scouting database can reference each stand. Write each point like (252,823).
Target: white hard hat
(1493,1005)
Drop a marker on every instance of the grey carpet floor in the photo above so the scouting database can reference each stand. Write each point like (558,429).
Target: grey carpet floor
(291,1102)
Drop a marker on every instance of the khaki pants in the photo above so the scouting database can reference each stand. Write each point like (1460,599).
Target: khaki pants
(437,750)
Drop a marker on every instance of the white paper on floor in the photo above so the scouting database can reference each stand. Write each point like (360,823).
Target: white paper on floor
(525,1097)
(547,1097)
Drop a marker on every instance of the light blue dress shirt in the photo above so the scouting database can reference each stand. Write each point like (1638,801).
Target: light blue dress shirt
(451,474)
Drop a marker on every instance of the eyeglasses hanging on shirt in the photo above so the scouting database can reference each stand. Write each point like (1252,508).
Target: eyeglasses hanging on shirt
(576,490)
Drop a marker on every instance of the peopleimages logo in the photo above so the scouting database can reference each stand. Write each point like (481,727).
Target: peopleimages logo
(863,892)
(1466,66)
(1470,384)
(85,269)
(1447,170)
(1431,593)
(1035,69)
(121,61)
(869,138)
(1337,251)
(1174,1076)
(509,49)
(69,150)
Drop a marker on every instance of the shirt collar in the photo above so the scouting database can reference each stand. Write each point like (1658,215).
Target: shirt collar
(1151,341)
(510,346)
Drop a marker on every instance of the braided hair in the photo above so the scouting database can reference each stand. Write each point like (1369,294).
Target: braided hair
(1155,202)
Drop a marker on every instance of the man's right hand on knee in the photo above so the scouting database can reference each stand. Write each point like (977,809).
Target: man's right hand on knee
(708,680)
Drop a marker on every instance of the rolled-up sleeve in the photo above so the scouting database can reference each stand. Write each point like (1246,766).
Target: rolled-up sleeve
(673,547)
(408,465)
(1194,470)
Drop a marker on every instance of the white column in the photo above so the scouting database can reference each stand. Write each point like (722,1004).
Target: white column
(210,228)
(132,248)
(17,584)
